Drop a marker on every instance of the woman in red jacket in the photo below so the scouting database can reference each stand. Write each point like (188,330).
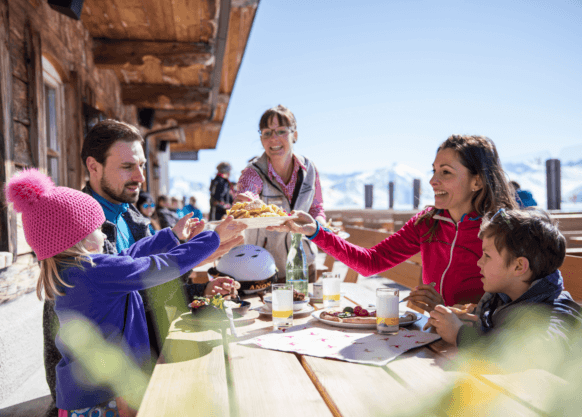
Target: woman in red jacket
(468,182)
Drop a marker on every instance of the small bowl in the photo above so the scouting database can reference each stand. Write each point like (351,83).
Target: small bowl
(243,309)
(297,305)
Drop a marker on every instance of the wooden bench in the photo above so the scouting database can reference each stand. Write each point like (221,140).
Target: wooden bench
(571,271)
(37,407)
(408,273)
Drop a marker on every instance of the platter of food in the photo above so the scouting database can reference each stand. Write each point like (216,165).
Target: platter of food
(256,214)
(351,320)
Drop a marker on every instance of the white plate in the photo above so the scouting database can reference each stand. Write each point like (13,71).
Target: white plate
(306,310)
(317,313)
(261,222)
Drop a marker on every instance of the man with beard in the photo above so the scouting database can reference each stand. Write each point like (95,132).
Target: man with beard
(114,156)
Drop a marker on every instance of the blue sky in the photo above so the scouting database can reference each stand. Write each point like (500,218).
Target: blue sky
(372,83)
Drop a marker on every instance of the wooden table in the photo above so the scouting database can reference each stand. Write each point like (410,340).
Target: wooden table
(205,372)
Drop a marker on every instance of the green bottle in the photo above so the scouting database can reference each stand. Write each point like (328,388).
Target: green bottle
(296,268)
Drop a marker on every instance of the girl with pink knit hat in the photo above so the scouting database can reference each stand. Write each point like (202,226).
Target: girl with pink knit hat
(96,295)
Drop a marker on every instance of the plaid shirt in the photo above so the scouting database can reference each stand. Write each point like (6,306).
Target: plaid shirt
(251,183)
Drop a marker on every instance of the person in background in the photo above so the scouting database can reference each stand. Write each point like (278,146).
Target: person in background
(96,295)
(525,319)
(176,206)
(468,182)
(523,197)
(146,206)
(191,208)
(283,178)
(220,192)
(166,217)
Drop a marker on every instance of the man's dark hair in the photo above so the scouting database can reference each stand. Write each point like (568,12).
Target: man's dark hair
(103,135)
(530,233)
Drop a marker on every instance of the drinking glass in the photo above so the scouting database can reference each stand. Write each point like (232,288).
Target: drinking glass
(282,309)
(387,311)
(331,289)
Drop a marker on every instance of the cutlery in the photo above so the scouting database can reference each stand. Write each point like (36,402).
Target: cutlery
(231,321)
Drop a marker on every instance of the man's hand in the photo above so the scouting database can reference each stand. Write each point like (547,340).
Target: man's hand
(305,224)
(187,228)
(446,323)
(227,287)
(425,297)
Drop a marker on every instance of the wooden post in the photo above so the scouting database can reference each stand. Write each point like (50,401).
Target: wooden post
(553,180)
(7,215)
(391,194)
(369,195)
(73,132)
(416,193)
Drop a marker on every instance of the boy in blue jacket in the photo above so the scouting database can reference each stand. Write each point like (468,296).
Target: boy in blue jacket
(525,319)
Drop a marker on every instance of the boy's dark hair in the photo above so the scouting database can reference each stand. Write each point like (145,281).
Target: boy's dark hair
(103,135)
(161,199)
(530,233)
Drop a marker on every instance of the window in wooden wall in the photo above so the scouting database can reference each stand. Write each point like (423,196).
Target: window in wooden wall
(54,103)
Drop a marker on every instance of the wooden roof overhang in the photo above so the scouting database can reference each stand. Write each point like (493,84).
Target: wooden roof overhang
(178,57)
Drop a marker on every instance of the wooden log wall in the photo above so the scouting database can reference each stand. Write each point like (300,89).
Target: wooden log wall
(30,31)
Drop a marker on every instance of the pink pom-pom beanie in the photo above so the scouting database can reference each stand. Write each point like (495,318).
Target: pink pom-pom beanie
(54,218)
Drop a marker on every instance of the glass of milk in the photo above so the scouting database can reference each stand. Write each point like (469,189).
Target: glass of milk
(387,311)
(282,306)
(331,289)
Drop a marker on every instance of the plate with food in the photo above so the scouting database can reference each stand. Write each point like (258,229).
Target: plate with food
(212,309)
(359,318)
(256,214)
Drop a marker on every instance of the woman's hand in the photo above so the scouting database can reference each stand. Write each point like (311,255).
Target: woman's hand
(425,297)
(446,323)
(227,287)
(305,224)
(242,198)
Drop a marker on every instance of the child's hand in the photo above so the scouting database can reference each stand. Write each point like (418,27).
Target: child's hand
(181,229)
(446,323)
(228,229)
(193,228)
(425,297)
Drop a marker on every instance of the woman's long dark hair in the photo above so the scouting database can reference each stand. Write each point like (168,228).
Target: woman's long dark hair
(479,155)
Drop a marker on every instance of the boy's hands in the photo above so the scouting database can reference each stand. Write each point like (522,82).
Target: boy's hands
(447,322)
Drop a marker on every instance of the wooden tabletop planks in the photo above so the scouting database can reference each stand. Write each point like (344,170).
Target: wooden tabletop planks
(190,377)
(201,373)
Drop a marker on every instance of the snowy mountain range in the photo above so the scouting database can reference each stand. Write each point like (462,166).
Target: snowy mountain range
(346,191)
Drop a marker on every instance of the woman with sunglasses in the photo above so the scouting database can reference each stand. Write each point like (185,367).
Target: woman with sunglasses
(281,177)
(468,182)
(146,206)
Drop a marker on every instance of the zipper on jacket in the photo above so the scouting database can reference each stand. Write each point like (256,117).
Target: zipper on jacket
(452,248)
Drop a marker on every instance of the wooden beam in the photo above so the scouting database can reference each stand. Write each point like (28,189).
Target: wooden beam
(37,132)
(183,116)
(114,52)
(223,21)
(7,216)
(162,95)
